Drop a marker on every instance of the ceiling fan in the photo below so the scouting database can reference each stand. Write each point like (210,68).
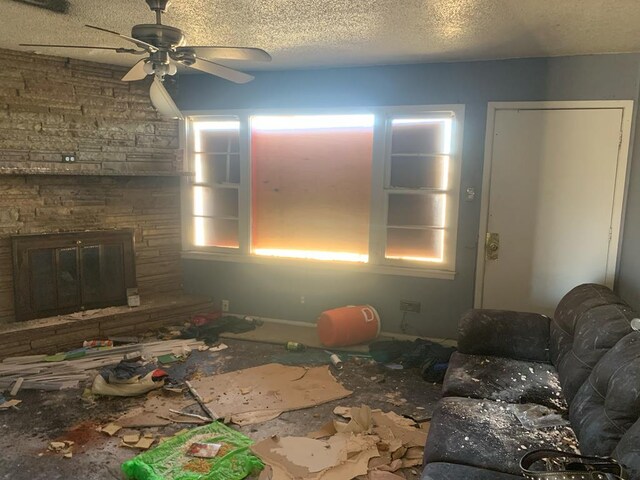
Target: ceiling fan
(165,48)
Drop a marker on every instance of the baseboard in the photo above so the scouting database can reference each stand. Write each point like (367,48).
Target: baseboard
(392,335)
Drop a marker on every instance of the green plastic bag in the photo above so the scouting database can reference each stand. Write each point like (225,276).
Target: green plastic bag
(169,461)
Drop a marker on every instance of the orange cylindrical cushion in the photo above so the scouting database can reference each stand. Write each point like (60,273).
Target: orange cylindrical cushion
(350,325)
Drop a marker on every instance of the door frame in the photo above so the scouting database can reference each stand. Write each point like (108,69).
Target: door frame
(619,190)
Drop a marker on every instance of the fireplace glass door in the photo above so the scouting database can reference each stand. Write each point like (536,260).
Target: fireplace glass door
(68,272)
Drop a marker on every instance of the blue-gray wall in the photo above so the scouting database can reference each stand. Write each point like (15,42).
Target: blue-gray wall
(275,291)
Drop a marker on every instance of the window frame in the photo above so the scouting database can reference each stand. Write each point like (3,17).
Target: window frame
(380,176)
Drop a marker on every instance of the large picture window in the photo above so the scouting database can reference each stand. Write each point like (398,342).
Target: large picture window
(378,187)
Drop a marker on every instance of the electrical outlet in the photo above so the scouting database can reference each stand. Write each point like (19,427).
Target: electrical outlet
(301,299)
(410,306)
(225,305)
(69,158)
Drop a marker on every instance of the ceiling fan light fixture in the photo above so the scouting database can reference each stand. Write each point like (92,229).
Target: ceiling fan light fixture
(148,68)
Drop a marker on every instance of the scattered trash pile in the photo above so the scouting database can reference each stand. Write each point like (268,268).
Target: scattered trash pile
(367,443)
(431,358)
(372,443)
(70,369)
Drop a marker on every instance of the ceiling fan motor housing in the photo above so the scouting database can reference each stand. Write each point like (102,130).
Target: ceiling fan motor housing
(158,5)
(161,36)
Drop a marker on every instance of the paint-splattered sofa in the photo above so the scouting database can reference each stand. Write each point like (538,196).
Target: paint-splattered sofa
(585,363)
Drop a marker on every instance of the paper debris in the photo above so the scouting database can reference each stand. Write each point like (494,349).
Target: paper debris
(342,456)
(132,438)
(326,430)
(373,443)
(343,411)
(63,447)
(218,348)
(360,421)
(382,475)
(144,443)
(111,429)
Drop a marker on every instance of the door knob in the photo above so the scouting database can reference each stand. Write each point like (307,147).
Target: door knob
(492,246)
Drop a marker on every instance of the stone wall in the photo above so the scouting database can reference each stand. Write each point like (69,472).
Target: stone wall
(126,173)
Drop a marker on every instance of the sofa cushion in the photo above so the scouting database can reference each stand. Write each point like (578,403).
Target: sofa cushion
(504,333)
(485,434)
(627,451)
(608,404)
(452,471)
(497,378)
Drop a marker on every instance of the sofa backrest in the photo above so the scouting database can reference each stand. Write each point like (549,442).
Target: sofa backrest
(589,321)
(607,405)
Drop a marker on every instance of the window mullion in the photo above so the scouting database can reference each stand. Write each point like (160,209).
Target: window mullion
(244,190)
(378,195)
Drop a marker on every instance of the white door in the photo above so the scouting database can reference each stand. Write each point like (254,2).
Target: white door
(552,201)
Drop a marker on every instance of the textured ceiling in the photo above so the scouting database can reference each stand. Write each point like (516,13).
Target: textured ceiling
(321,33)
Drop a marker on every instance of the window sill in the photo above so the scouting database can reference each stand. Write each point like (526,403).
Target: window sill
(343,266)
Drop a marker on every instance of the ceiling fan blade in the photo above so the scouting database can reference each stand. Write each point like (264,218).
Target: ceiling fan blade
(218,70)
(147,46)
(137,72)
(115,49)
(229,53)
(163,102)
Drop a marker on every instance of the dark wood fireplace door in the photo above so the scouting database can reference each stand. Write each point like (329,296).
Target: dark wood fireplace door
(67,272)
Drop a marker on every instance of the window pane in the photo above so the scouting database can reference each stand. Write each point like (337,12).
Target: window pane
(215,202)
(416,245)
(419,171)
(311,186)
(218,138)
(420,136)
(219,141)
(416,210)
(216,232)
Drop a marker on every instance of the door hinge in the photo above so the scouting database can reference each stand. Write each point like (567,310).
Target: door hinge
(610,233)
(620,140)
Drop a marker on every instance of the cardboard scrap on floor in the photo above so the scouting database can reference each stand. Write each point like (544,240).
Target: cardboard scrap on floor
(110,429)
(156,412)
(343,455)
(372,442)
(258,394)
(10,404)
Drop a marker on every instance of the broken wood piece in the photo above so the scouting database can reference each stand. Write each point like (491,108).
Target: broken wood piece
(193,415)
(16,387)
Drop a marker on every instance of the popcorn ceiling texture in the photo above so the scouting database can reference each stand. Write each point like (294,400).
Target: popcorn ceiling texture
(125,175)
(316,33)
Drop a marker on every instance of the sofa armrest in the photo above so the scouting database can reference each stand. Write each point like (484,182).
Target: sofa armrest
(503,333)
